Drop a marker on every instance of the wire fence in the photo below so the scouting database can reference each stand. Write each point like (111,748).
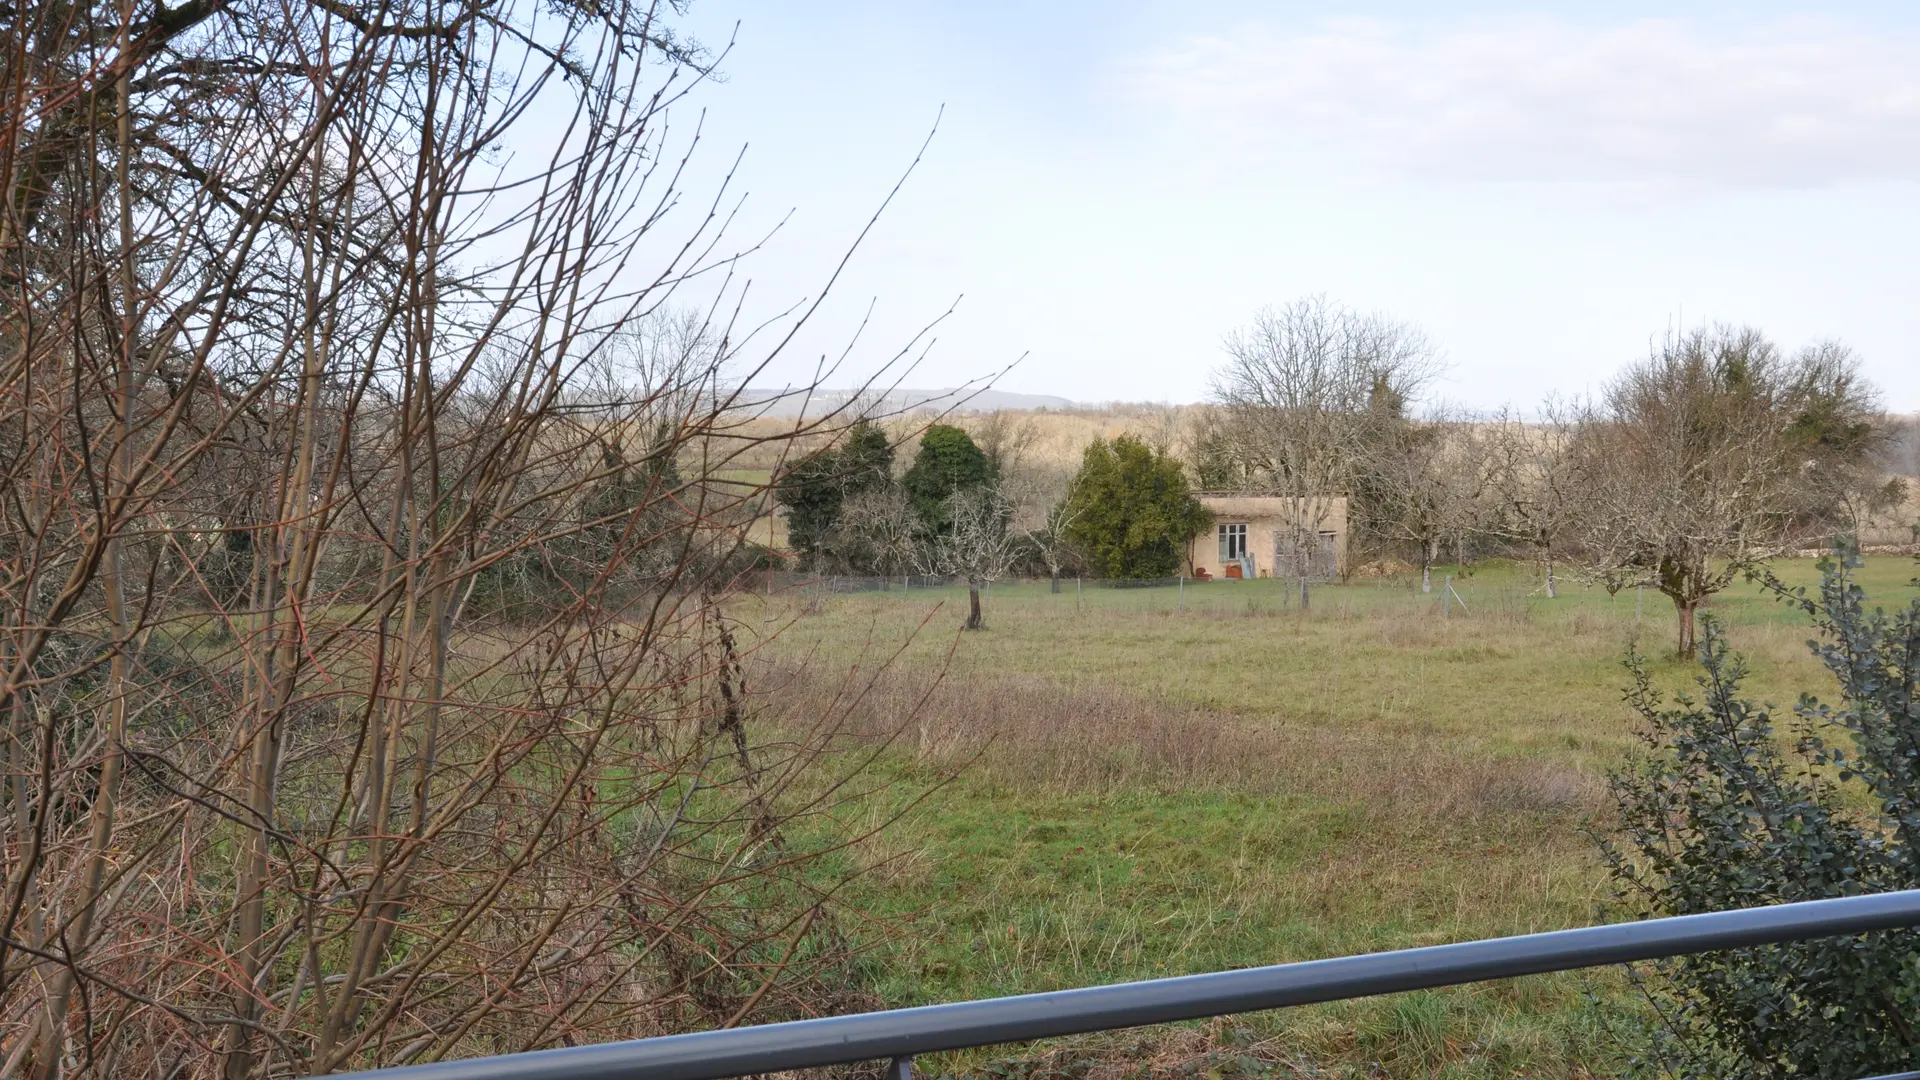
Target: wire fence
(787,581)
(1487,593)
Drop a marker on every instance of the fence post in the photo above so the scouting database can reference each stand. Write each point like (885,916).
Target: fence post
(1446,598)
(1180,601)
(1076,592)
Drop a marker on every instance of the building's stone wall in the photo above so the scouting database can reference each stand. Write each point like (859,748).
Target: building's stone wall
(1267,518)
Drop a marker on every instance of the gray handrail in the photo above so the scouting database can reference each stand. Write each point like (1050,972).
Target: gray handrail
(903,1033)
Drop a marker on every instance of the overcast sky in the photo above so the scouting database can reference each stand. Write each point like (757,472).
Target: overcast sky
(1114,186)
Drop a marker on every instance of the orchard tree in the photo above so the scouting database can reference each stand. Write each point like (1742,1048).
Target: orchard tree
(877,532)
(1051,538)
(1426,483)
(1534,484)
(1132,512)
(1696,461)
(980,542)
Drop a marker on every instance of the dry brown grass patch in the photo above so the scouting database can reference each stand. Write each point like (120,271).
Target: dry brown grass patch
(1030,730)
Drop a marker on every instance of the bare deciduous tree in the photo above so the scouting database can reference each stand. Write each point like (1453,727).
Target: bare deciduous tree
(1048,538)
(879,530)
(1697,462)
(1426,483)
(982,543)
(1534,483)
(1307,392)
(1006,437)
(370,692)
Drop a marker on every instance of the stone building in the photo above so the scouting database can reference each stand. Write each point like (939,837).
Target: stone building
(1251,535)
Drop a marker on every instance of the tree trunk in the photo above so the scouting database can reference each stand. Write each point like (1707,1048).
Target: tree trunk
(1302,561)
(1686,609)
(1053,580)
(974,621)
(1550,593)
(1426,566)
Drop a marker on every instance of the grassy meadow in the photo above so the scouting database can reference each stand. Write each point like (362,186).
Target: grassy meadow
(1112,784)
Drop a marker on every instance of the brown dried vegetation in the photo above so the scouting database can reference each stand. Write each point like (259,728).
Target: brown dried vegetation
(368,688)
(1030,730)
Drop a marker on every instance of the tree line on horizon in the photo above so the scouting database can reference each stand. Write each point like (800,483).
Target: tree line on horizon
(1691,467)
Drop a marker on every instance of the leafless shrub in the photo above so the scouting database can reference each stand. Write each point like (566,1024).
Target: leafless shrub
(369,692)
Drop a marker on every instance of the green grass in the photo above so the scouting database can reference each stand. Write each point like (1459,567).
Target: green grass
(1145,783)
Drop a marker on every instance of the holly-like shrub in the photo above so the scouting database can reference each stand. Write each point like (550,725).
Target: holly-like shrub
(1728,811)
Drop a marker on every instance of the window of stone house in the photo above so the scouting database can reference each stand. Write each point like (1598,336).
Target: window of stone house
(1233,542)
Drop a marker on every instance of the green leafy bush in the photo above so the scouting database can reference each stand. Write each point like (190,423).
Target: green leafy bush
(1727,812)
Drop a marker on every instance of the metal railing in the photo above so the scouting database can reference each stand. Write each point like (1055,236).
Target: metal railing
(899,1035)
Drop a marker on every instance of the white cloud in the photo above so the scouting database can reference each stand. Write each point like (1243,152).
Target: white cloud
(1654,102)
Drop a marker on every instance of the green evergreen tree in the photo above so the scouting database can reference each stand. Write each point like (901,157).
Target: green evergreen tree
(866,460)
(1133,510)
(948,462)
(811,494)
(1217,466)
(814,490)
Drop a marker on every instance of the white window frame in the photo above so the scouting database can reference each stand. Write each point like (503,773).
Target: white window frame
(1232,539)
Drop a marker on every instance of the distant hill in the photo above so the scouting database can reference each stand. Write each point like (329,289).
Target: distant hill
(773,403)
